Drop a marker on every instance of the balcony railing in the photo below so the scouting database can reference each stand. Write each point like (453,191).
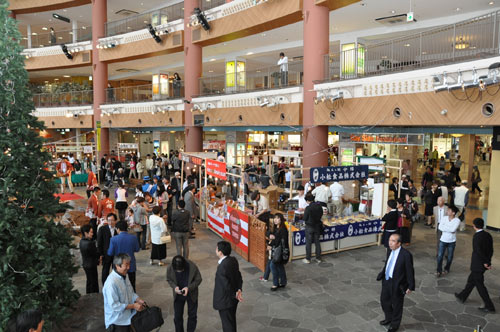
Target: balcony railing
(58,38)
(140,21)
(206,5)
(70,98)
(255,80)
(467,40)
(143,93)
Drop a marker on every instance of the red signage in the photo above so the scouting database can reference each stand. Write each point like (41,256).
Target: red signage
(236,229)
(192,159)
(216,169)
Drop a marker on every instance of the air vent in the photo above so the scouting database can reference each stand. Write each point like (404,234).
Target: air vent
(177,39)
(86,57)
(126,12)
(393,20)
(127,70)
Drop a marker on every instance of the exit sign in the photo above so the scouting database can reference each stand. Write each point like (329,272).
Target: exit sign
(409,17)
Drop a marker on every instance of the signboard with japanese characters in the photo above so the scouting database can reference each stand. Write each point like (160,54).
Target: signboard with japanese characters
(331,233)
(216,169)
(338,173)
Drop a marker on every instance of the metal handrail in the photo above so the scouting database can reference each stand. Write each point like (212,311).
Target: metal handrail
(146,92)
(260,79)
(58,38)
(69,98)
(466,40)
(140,21)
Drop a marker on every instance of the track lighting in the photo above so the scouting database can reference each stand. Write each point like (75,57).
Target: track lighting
(458,85)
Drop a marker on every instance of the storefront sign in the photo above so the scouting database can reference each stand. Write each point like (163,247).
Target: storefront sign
(198,158)
(287,153)
(346,156)
(394,139)
(87,149)
(216,169)
(68,148)
(341,231)
(126,146)
(214,145)
(338,173)
(236,228)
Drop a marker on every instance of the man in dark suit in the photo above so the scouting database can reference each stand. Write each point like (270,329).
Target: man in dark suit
(398,279)
(391,221)
(125,243)
(104,235)
(228,284)
(482,251)
(314,227)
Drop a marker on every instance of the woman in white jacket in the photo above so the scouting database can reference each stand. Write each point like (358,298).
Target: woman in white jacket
(158,227)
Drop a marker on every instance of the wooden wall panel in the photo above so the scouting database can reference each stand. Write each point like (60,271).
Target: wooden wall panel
(418,109)
(58,122)
(146,120)
(58,61)
(335,4)
(264,17)
(34,6)
(282,115)
(143,48)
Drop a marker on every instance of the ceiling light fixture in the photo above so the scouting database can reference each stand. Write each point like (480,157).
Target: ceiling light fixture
(461,45)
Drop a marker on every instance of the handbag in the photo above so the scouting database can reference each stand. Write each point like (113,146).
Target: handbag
(277,254)
(166,238)
(405,222)
(285,255)
(147,320)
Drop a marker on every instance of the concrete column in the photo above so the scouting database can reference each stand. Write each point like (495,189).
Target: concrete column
(74,27)
(29,35)
(316,46)
(493,219)
(192,71)
(466,152)
(99,72)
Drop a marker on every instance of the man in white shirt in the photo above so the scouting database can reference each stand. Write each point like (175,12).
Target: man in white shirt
(301,197)
(283,63)
(322,194)
(449,226)
(149,165)
(460,200)
(337,191)
(288,178)
(260,204)
(440,211)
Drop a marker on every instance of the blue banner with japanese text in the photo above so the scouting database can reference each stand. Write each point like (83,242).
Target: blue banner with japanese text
(338,173)
(331,233)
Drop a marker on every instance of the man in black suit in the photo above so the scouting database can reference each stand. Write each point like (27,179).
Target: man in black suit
(391,222)
(314,227)
(398,279)
(104,235)
(482,251)
(228,284)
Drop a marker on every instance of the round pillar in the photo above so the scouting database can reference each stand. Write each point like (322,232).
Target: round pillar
(316,46)
(192,72)
(99,73)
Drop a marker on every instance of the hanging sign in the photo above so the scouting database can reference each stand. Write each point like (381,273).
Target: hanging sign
(338,173)
(216,169)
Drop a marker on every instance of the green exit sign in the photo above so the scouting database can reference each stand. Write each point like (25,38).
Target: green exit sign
(409,17)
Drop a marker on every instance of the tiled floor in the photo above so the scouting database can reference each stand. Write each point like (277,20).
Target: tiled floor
(340,294)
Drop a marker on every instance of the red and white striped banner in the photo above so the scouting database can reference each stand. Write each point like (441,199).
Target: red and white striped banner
(215,223)
(236,228)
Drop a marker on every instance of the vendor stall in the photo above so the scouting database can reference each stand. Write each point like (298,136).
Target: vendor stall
(348,232)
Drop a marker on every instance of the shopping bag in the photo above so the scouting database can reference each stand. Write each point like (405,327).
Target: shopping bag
(147,320)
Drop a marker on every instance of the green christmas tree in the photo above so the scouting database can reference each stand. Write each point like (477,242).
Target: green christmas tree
(36,265)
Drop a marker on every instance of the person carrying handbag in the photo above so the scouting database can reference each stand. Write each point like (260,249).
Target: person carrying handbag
(280,251)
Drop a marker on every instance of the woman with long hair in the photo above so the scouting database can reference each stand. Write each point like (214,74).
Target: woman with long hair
(278,238)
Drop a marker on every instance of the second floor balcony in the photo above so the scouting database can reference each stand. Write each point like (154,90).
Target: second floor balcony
(469,40)
(267,78)
(38,40)
(145,93)
(69,98)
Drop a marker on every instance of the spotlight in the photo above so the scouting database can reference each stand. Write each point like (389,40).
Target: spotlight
(444,112)
(196,107)
(154,33)
(473,83)
(65,51)
(263,101)
(458,85)
(337,96)
(438,87)
(202,19)
(209,106)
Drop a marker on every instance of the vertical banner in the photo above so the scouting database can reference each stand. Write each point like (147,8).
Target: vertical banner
(216,169)
(236,229)
(216,220)
(98,135)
